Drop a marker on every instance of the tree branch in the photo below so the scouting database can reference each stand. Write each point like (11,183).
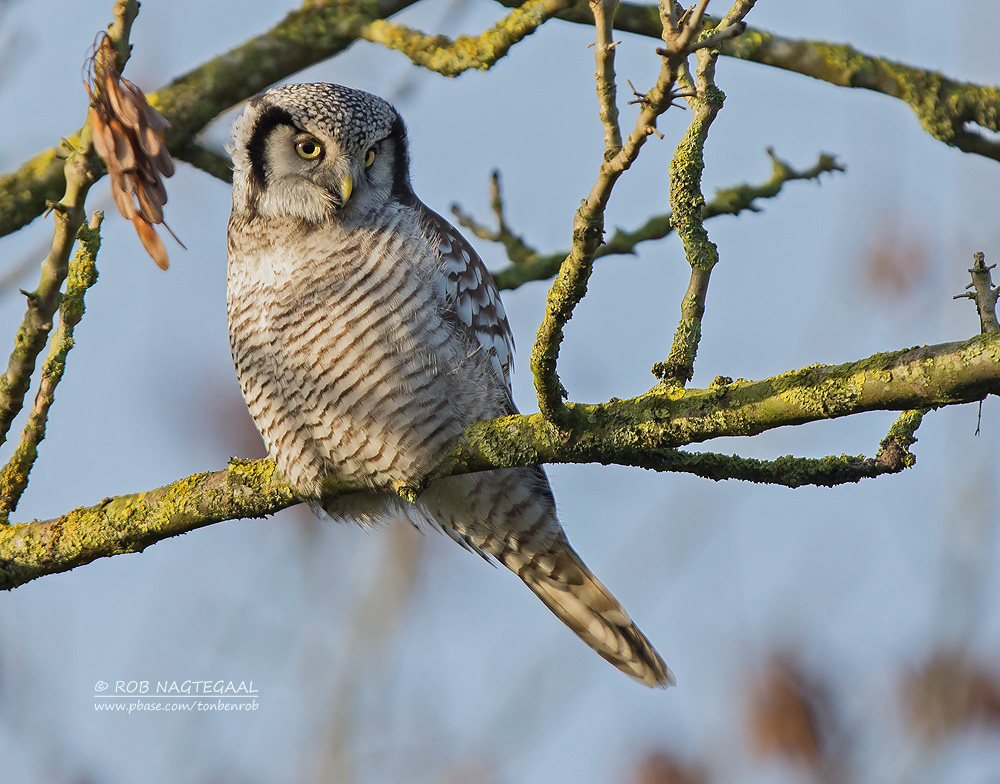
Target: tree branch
(451,58)
(643,431)
(688,203)
(985,293)
(607,89)
(893,456)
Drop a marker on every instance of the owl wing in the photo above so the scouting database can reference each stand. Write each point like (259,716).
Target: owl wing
(471,295)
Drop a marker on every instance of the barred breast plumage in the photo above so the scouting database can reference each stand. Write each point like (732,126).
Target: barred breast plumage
(367,333)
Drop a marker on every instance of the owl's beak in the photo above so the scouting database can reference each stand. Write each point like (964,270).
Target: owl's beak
(346,183)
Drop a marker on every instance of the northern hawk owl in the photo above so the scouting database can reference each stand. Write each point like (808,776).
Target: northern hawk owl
(367,333)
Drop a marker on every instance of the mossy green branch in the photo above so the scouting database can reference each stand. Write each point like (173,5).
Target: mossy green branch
(947,109)
(129,523)
(636,431)
(687,217)
(570,284)
(451,58)
(643,431)
(33,332)
(82,274)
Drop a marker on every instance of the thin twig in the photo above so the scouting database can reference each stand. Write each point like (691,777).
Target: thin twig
(607,89)
(517,250)
(984,294)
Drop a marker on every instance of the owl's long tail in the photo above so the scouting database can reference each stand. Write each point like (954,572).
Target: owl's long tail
(581,601)
(510,515)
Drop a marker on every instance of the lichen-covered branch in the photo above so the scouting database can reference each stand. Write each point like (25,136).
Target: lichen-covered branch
(687,207)
(80,171)
(636,431)
(983,293)
(727,201)
(451,58)
(570,284)
(82,274)
(527,264)
(43,301)
(893,456)
(643,431)
(949,110)
(129,523)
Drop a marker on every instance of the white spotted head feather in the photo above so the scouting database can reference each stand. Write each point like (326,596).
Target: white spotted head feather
(355,157)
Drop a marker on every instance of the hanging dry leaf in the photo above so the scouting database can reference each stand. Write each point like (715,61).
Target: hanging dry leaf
(129,136)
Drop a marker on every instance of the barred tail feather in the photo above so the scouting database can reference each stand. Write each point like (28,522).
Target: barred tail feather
(568,588)
(510,515)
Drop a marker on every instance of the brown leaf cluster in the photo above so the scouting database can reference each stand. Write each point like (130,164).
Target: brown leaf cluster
(896,262)
(785,711)
(129,136)
(948,693)
(662,768)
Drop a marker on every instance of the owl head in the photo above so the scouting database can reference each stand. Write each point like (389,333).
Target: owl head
(316,152)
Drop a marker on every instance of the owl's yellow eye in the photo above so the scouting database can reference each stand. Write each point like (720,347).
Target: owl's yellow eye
(370,157)
(309,149)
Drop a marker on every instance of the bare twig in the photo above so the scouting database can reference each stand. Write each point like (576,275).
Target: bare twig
(517,250)
(984,294)
(607,89)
